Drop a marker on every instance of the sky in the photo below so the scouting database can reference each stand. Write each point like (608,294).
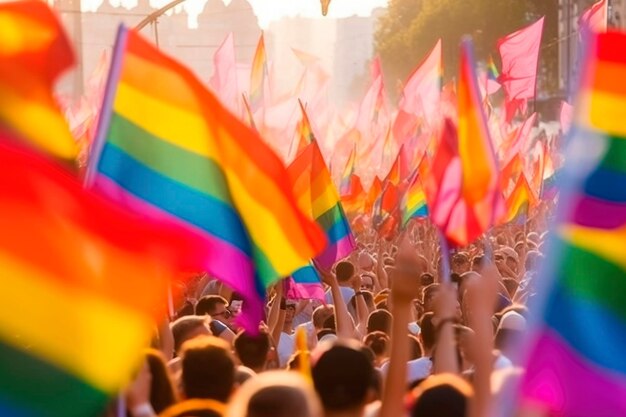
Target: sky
(266,11)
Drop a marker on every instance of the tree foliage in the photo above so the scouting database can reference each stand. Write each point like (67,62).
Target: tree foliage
(411,27)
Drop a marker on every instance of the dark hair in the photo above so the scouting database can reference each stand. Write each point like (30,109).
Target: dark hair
(443,395)
(207,304)
(427,331)
(330,323)
(428,293)
(185,325)
(344,271)
(252,350)
(208,369)
(379,320)
(321,314)
(186,310)
(426,279)
(162,392)
(276,401)
(342,377)
(378,342)
(416,348)
(368,297)
(511,285)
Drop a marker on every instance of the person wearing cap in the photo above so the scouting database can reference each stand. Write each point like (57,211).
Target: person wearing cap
(507,261)
(511,329)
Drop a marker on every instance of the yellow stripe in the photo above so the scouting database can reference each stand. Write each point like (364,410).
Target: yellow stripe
(607,244)
(21,34)
(416,199)
(325,200)
(602,111)
(37,120)
(172,124)
(72,329)
(265,229)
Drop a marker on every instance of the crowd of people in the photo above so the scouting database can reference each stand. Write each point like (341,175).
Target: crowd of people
(404,330)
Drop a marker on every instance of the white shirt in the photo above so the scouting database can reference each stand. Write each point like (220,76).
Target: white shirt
(346,293)
(286,347)
(416,369)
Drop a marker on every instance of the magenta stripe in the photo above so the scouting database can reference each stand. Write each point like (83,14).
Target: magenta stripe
(596,213)
(223,261)
(569,385)
(336,252)
(304,291)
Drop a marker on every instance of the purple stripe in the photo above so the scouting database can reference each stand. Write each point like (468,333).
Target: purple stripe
(569,385)
(303,291)
(110,91)
(224,260)
(336,251)
(599,214)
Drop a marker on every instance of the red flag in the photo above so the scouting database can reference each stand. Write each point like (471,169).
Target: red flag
(520,55)
(595,18)
(400,168)
(372,194)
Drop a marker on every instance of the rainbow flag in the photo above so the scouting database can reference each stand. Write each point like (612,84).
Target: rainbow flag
(304,130)
(576,365)
(258,74)
(372,194)
(414,200)
(348,171)
(82,279)
(519,202)
(318,197)
(249,117)
(305,284)
(168,149)
(492,70)
(354,199)
(34,53)
(399,170)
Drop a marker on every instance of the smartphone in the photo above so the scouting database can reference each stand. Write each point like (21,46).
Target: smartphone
(235,306)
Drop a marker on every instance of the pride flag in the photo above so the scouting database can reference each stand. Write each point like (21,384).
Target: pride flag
(304,130)
(34,53)
(318,197)
(304,284)
(354,199)
(576,364)
(348,171)
(519,202)
(372,194)
(414,200)
(83,283)
(168,149)
(258,74)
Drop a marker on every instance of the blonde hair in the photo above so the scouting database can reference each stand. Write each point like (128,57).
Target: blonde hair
(289,394)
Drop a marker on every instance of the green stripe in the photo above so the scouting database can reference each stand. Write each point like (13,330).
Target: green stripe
(330,217)
(265,271)
(615,157)
(195,171)
(588,276)
(43,389)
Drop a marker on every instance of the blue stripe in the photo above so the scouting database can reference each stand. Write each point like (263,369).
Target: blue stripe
(606,184)
(338,231)
(199,209)
(591,330)
(422,211)
(306,275)
(8,409)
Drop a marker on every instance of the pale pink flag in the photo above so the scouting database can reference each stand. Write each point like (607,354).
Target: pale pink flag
(520,55)
(521,141)
(422,90)
(566,116)
(376,68)
(368,108)
(595,18)
(224,78)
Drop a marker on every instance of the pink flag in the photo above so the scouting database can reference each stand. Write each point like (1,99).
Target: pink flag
(421,95)
(224,78)
(376,68)
(567,113)
(520,55)
(595,18)
(520,143)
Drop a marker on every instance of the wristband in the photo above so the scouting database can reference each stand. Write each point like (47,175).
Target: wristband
(143,410)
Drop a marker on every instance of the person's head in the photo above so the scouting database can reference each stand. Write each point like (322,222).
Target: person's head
(208,369)
(290,312)
(428,295)
(252,351)
(367,281)
(187,328)
(366,262)
(214,306)
(426,279)
(511,258)
(511,329)
(275,394)
(368,297)
(321,314)
(378,342)
(477,263)
(427,334)
(343,377)
(511,286)
(379,320)
(533,259)
(441,395)
(162,392)
(460,263)
(344,272)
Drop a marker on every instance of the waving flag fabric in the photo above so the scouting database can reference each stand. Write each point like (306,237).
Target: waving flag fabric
(258,75)
(348,171)
(304,130)
(318,197)
(520,202)
(520,55)
(83,279)
(224,78)
(168,149)
(34,53)
(575,365)
(414,200)
(353,200)
(595,18)
(372,194)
